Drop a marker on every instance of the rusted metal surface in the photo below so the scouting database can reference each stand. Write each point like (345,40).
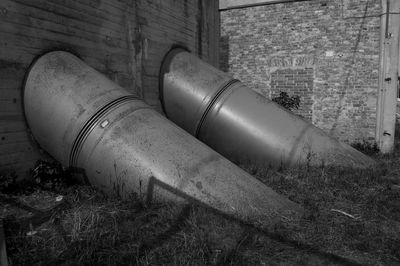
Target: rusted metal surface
(125,147)
(242,125)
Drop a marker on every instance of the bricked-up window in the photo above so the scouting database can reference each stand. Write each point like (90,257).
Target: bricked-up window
(295,81)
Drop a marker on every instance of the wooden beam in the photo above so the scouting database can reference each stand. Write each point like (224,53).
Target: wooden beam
(232,4)
(388,75)
(3,252)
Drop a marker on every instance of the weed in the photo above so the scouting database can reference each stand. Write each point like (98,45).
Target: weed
(50,175)
(366,147)
(8,181)
(289,102)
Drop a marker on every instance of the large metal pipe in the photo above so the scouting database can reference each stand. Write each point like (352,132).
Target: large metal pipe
(123,146)
(242,125)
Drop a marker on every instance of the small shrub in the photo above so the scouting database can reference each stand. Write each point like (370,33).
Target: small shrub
(289,102)
(7,181)
(366,147)
(50,175)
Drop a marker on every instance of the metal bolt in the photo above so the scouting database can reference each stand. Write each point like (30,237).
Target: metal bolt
(104,123)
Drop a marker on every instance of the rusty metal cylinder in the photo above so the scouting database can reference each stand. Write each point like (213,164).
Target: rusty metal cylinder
(241,124)
(123,146)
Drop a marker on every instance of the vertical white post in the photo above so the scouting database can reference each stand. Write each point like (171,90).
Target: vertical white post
(389,61)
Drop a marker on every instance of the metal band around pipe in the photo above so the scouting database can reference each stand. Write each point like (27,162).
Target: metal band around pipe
(91,123)
(212,103)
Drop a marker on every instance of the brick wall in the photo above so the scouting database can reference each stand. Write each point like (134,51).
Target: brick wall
(124,39)
(337,40)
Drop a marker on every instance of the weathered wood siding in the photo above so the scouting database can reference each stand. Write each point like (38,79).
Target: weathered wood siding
(124,39)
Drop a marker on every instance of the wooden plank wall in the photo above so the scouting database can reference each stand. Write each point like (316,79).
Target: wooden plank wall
(124,39)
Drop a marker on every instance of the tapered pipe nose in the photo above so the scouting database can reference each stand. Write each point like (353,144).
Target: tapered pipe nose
(242,125)
(125,147)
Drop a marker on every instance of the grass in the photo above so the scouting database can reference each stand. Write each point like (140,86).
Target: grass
(353,218)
